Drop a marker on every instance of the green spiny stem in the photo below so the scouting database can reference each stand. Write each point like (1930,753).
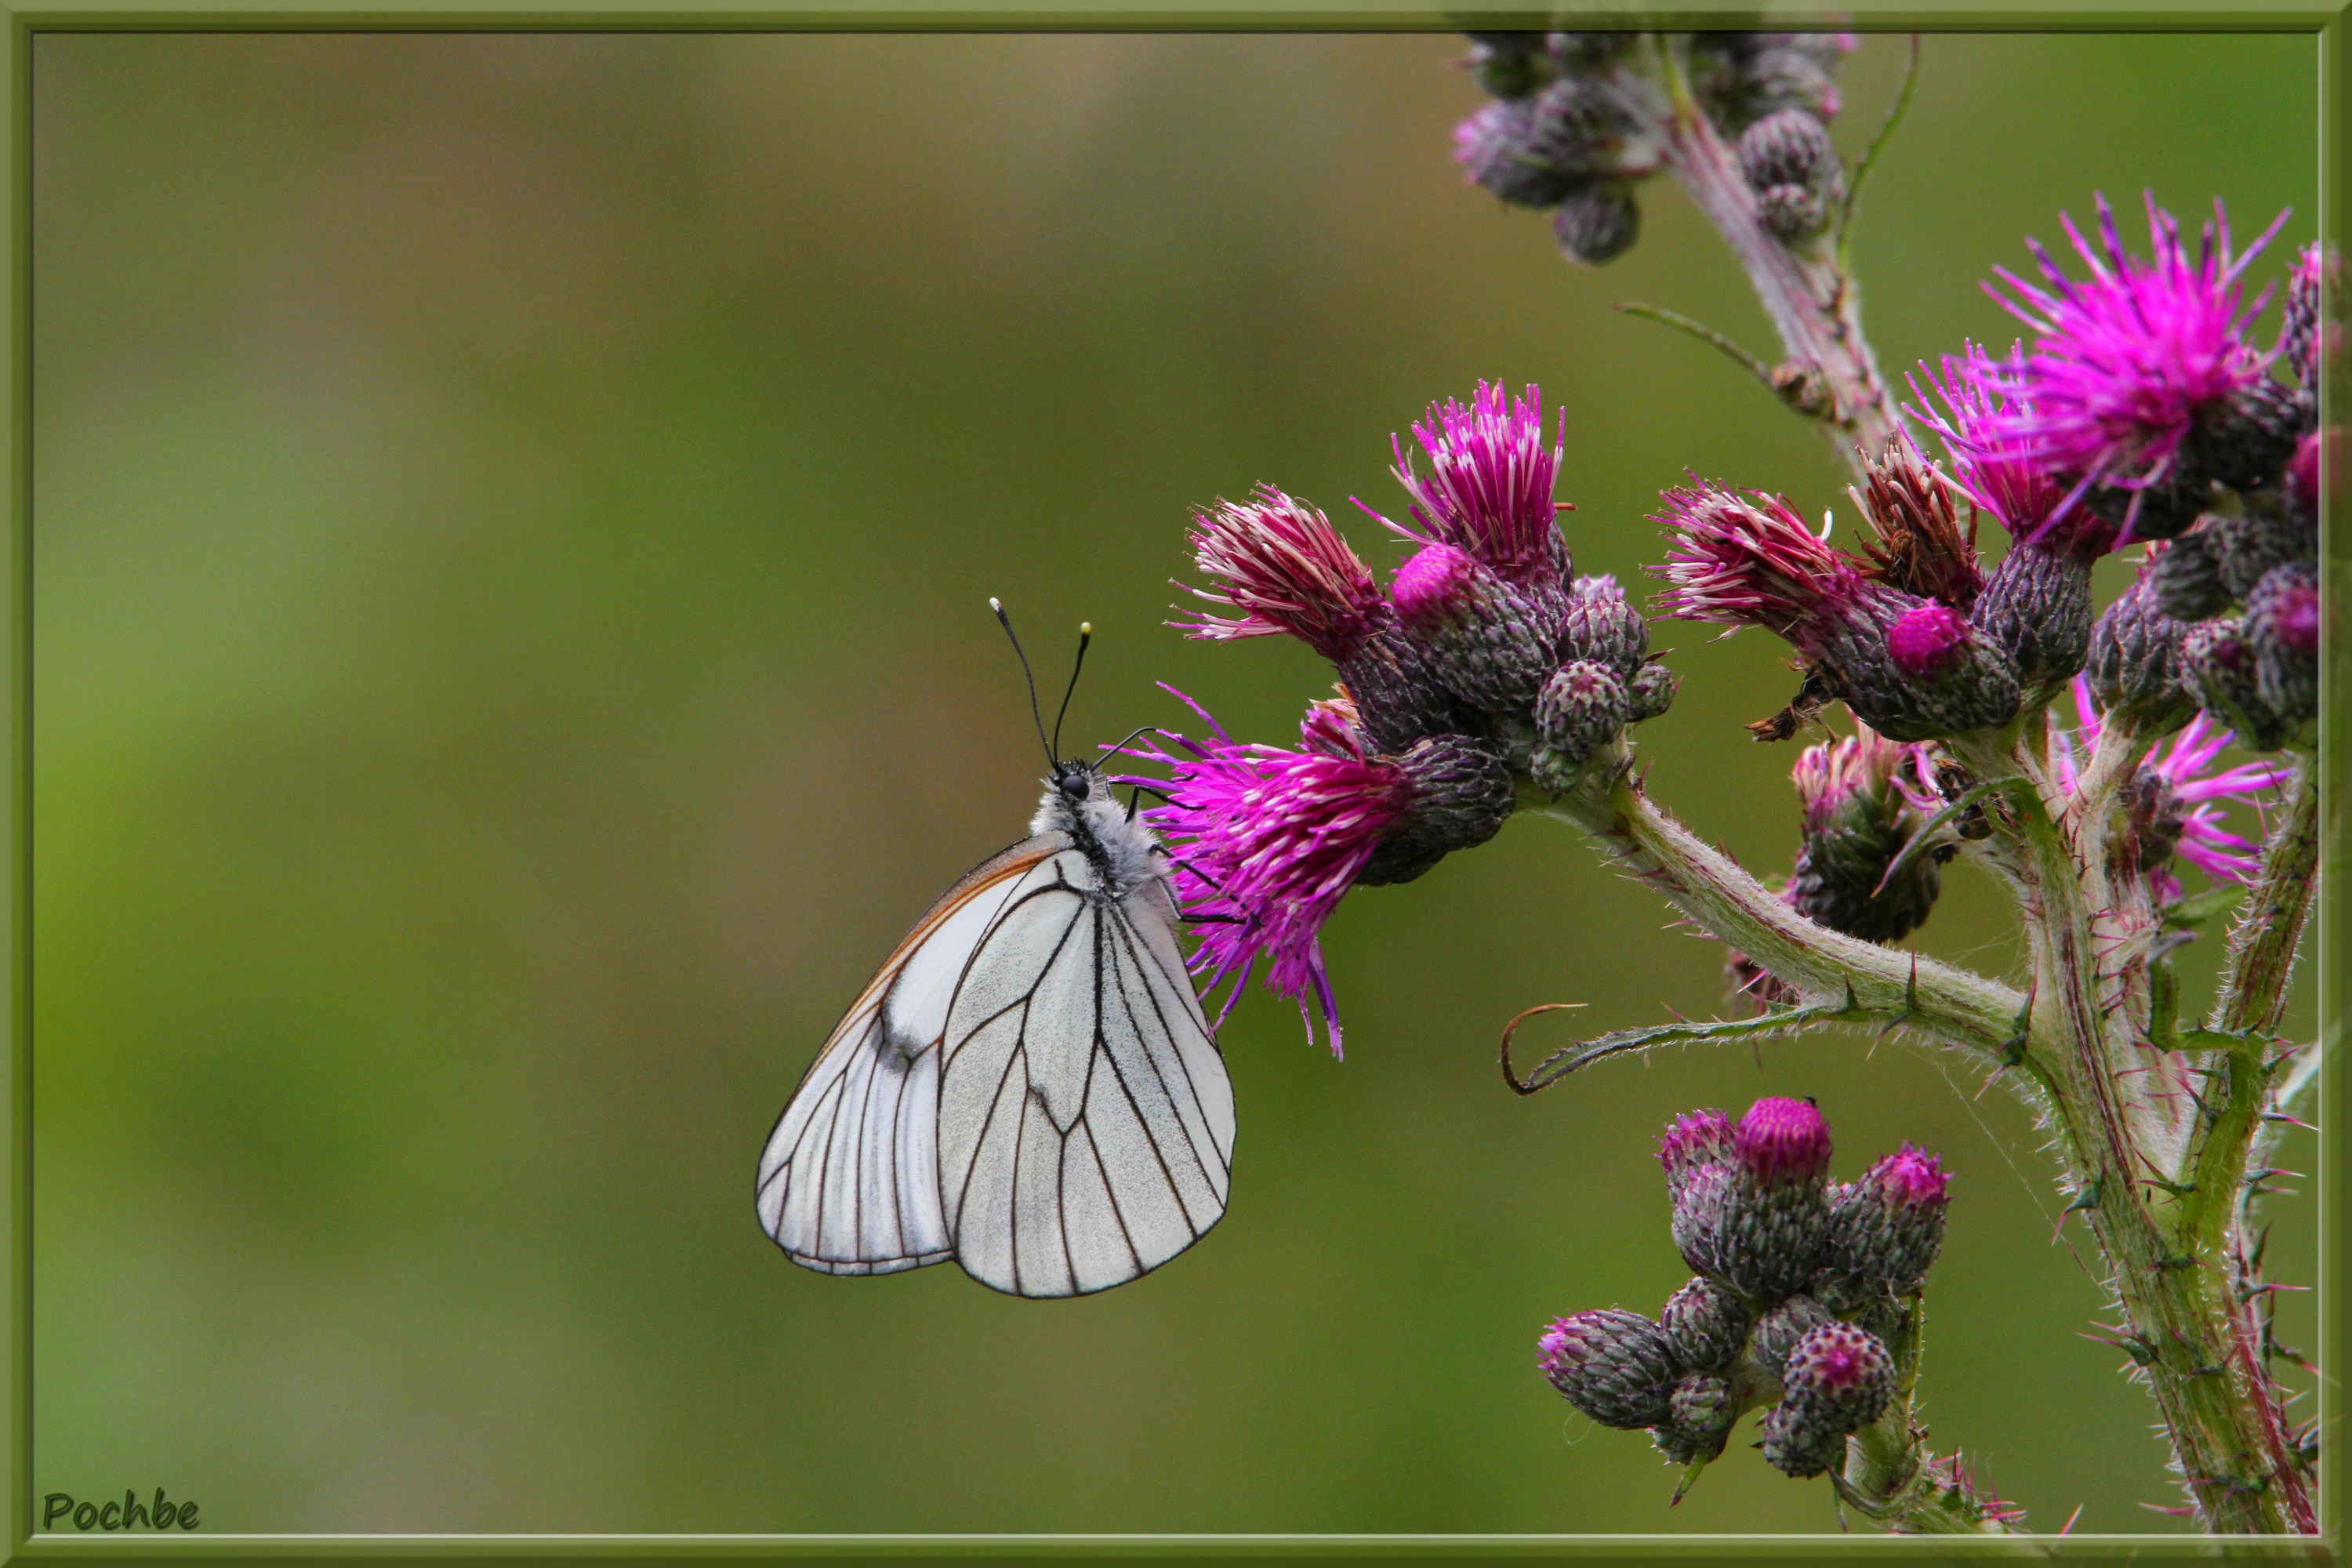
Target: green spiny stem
(1822,966)
(2269,930)
(2219,1410)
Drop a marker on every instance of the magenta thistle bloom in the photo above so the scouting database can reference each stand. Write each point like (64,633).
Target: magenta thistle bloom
(1489,489)
(1995,466)
(1272,841)
(1910,1178)
(1693,1139)
(1927,640)
(1782,1143)
(2182,800)
(1286,569)
(1828,777)
(1747,560)
(2129,359)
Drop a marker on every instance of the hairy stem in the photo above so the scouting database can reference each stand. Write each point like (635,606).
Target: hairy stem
(2269,930)
(1822,966)
(1812,299)
(2170,1268)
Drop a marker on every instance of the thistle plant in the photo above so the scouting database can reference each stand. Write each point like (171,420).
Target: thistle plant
(1996,720)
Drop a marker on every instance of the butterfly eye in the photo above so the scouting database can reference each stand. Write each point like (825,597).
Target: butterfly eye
(1075,785)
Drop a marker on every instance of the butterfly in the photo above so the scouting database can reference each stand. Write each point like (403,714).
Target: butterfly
(1028,1085)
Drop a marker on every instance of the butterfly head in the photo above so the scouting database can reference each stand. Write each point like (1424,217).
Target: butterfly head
(1075,782)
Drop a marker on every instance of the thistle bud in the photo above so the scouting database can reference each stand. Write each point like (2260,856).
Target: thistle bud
(1837,1380)
(2248,546)
(1802,1454)
(1693,1141)
(1651,693)
(1884,1230)
(1581,127)
(2185,576)
(1462,794)
(1705,1324)
(2243,441)
(2301,487)
(2037,607)
(1700,1412)
(2222,666)
(2283,620)
(1393,681)
(1779,1328)
(1497,148)
(2301,322)
(1775,1214)
(2135,664)
(1597,223)
(1583,707)
(1857,820)
(1489,641)
(1697,1226)
(1790,148)
(1603,627)
(1792,214)
(1612,1365)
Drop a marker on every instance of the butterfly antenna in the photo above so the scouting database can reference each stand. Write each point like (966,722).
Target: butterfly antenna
(1006,622)
(1086,635)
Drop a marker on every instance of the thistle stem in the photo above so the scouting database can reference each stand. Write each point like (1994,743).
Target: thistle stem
(2269,930)
(1812,299)
(2169,1251)
(1965,1010)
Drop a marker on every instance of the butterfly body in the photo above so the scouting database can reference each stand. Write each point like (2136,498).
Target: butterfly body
(1028,1085)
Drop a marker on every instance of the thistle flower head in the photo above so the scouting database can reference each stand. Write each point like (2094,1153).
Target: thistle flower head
(1782,1143)
(1286,569)
(2130,359)
(2180,791)
(1436,583)
(1273,839)
(1827,776)
(1927,640)
(1489,490)
(1910,1178)
(1694,1139)
(1984,422)
(1745,559)
(1614,1365)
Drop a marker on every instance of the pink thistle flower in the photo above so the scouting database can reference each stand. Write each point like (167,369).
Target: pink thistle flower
(1270,841)
(1693,1139)
(2131,358)
(1827,776)
(1286,569)
(1782,1143)
(1927,640)
(1489,493)
(1994,465)
(1910,1178)
(2188,810)
(1747,560)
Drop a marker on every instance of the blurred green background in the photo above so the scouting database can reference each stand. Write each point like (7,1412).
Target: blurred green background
(512,524)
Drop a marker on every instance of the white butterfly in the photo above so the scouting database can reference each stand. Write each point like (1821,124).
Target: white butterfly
(1028,1085)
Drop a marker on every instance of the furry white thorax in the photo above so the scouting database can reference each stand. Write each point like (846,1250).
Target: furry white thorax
(1100,823)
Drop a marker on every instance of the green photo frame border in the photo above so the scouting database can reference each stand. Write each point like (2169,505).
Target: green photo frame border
(2326,20)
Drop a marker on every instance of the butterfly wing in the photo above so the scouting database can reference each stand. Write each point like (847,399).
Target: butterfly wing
(849,1179)
(1086,1121)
